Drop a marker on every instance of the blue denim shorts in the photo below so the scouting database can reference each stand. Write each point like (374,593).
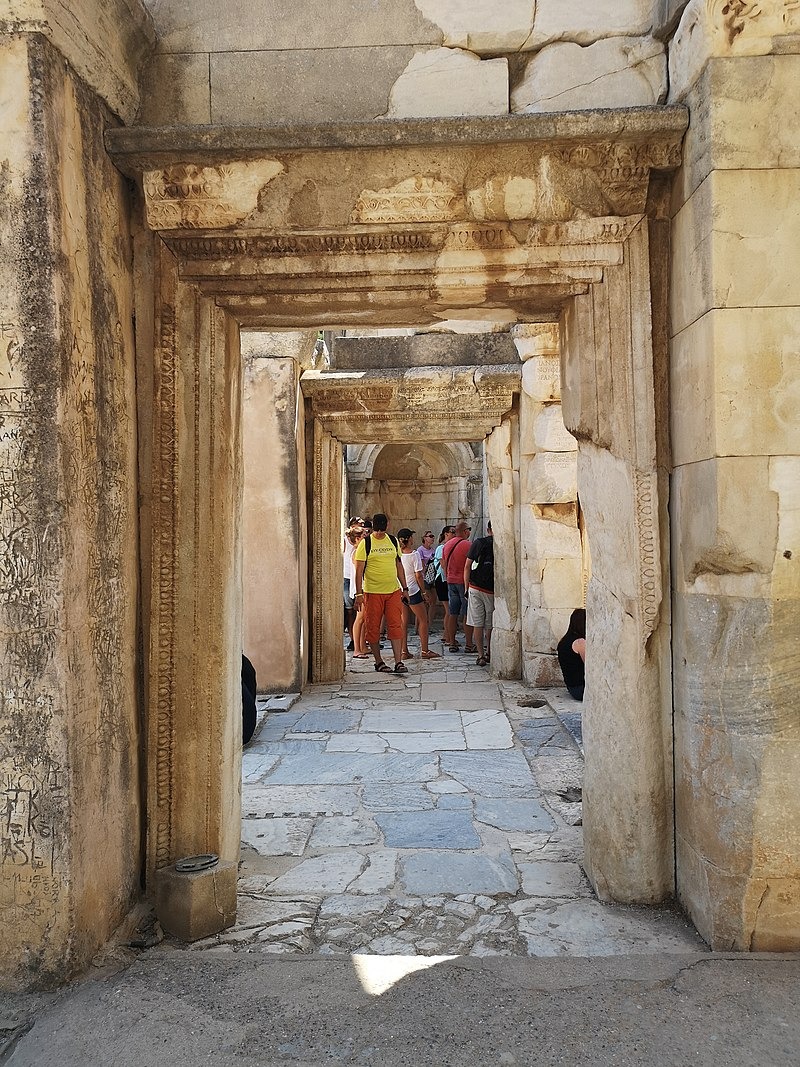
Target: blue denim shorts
(456,599)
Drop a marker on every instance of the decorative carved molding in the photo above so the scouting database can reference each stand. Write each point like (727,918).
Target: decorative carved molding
(187,196)
(417,199)
(165,497)
(304,244)
(646,492)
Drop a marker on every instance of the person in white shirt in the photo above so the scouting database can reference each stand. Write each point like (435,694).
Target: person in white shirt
(413,568)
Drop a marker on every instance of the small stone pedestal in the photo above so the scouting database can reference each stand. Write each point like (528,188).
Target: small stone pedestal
(191,905)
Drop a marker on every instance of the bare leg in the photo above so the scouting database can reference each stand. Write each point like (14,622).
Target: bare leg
(406,620)
(358,635)
(422,625)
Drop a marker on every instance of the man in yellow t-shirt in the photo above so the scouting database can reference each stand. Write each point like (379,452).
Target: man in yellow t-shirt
(380,591)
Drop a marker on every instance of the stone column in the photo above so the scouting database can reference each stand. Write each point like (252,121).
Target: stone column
(70,848)
(502,475)
(195,714)
(735,382)
(275,583)
(327,606)
(608,371)
(550,541)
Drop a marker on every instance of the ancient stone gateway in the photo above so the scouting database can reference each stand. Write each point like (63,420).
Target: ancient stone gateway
(556,219)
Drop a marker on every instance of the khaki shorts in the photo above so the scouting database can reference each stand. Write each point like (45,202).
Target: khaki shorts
(480,608)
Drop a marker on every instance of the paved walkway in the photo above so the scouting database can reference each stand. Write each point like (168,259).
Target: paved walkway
(436,813)
(395,830)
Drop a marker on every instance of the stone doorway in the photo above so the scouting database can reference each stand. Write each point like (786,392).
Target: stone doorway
(558,218)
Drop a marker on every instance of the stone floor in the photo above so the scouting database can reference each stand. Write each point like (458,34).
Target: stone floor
(436,814)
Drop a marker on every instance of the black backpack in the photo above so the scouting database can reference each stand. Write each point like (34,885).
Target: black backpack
(368,543)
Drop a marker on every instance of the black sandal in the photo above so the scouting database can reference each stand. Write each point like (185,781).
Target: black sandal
(383,668)
(400,668)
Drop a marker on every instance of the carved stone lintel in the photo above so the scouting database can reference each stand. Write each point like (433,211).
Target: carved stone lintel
(188,196)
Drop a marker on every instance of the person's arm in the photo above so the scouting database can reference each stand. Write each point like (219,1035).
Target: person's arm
(468,565)
(360,565)
(401,576)
(579,646)
(419,574)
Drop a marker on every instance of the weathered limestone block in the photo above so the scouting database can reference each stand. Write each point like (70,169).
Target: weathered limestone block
(446,81)
(543,628)
(549,432)
(482,26)
(503,497)
(745,94)
(107,42)
(536,339)
(736,675)
(735,385)
(544,539)
(194,905)
(627,739)
(582,23)
(237,25)
(541,378)
(618,72)
(272,508)
(729,520)
(715,28)
(736,239)
(70,852)
(561,585)
(541,670)
(305,85)
(550,478)
(177,91)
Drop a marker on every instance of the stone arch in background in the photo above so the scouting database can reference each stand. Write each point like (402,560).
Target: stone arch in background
(428,483)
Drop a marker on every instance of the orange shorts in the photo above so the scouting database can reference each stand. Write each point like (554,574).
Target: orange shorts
(376,605)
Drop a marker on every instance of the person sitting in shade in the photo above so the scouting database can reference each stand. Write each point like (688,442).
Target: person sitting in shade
(572,654)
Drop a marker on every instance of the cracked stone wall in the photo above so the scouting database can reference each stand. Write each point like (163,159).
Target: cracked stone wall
(272,63)
(70,848)
(551,544)
(735,316)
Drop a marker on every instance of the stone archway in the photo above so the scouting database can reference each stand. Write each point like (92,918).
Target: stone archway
(405,223)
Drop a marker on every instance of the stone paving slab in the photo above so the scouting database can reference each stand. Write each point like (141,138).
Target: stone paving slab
(485,691)
(344,768)
(321,874)
(380,872)
(327,720)
(447,872)
(491,774)
(259,801)
(429,829)
(487,729)
(425,742)
(277,837)
(408,719)
(357,743)
(341,831)
(525,815)
(397,798)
